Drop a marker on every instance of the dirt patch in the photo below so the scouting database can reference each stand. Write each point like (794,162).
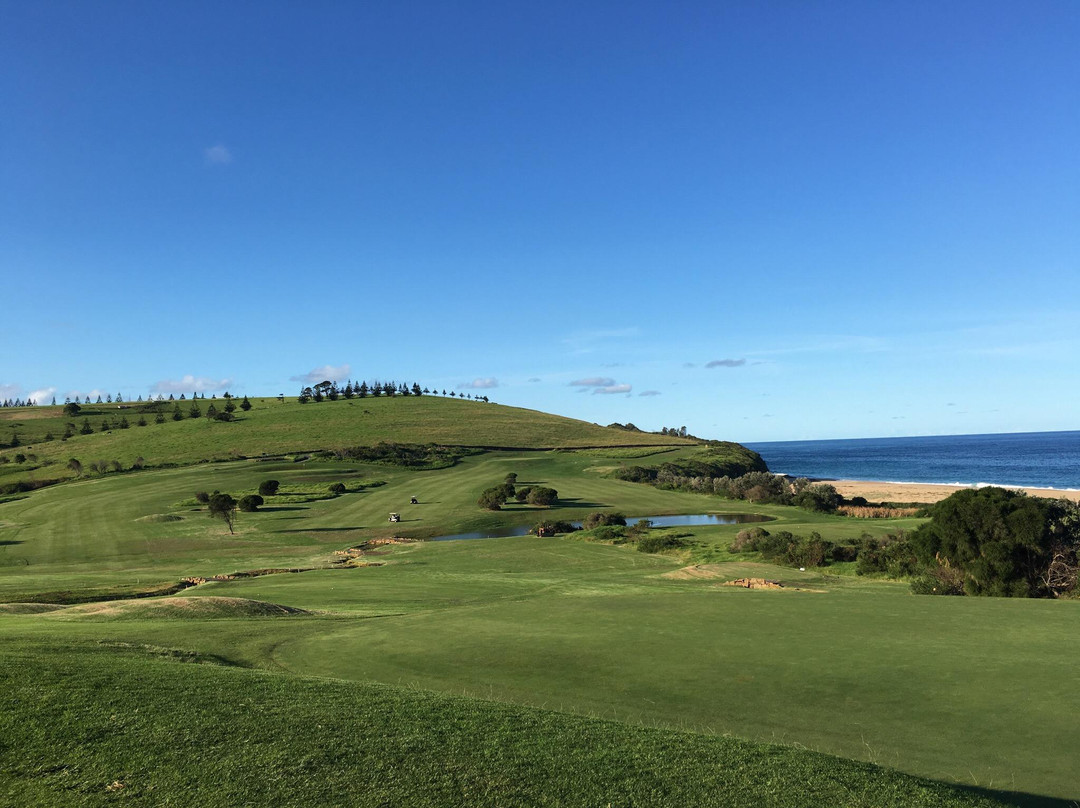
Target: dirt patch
(697,572)
(28,608)
(198,608)
(755,583)
(356,556)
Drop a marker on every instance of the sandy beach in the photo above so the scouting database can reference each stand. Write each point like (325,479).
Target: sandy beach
(924,492)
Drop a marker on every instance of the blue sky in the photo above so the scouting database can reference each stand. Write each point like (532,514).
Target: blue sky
(763,221)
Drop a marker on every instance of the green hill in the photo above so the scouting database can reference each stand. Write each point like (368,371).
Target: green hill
(273,427)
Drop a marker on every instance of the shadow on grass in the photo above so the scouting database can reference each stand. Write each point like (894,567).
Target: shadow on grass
(275,508)
(322,530)
(9,542)
(1020,799)
(570,502)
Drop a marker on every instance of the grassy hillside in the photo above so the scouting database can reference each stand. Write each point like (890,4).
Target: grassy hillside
(502,671)
(272,428)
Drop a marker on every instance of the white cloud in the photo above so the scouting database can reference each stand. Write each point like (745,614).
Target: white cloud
(480,384)
(10,391)
(188,384)
(725,363)
(325,373)
(42,396)
(217,155)
(594,381)
(650,393)
(613,388)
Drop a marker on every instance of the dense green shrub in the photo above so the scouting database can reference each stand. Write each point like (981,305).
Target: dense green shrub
(337,489)
(250,503)
(202,497)
(1003,542)
(545,497)
(552,526)
(657,544)
(599,518)
(429,456)
(268,488)
(492,499)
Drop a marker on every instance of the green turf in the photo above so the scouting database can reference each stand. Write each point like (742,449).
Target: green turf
(83,725)
(969,691)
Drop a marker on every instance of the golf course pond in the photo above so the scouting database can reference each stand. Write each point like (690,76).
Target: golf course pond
(681,520)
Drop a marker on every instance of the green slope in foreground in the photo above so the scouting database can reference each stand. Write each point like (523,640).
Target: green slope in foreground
(117,726)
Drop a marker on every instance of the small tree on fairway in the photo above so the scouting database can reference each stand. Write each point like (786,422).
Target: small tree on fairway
(268,487)
(492,499)
(177,415)
(245,405)
(223,506)
(250,503)
(71,409)
(86,428)
(542,496)
(75,466)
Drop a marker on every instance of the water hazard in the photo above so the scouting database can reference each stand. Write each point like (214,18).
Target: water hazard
(681,520)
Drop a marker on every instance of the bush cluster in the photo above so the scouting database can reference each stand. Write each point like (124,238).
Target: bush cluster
(756,486)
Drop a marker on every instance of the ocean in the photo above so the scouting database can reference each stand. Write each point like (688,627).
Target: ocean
(1033,459)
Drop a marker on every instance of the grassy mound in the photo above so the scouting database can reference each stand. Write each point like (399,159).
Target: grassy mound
(179,607)
(156,732)
(160,518)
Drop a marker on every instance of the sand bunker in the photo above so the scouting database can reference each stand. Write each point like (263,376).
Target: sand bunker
(183,608)
(755,583)
(698,572)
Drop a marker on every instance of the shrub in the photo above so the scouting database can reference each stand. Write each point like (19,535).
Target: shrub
(269,487)
(337,489)
(523,493)
(250,503)
(600,518)
(552,526)
(492,499)
(1002,542)
(820,497)
(544,497)
(747,539)
(611,533)
(202,497)
(657,544)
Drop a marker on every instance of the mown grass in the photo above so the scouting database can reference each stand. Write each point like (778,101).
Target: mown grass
(95,726)
(645,667)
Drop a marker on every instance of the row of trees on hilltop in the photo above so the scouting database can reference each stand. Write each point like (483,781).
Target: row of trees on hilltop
(109,399)
(328,390)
